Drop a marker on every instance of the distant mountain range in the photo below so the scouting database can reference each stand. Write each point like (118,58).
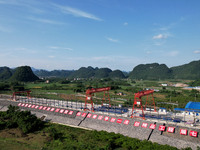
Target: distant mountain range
(83,72)
(153,71)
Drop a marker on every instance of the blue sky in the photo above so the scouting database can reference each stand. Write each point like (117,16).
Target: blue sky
(119,34)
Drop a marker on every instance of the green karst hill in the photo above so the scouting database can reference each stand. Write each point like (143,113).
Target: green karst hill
(157,71)
(151,72)
(5,73)
(117,74)
(187,71)
(24,74)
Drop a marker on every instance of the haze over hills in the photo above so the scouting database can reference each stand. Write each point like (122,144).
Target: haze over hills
(153,71)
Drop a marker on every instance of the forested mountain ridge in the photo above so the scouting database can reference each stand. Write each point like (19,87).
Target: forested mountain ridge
(153,71)
(157,71)
(187,71)
(91,72)
(54,73)
(83,72)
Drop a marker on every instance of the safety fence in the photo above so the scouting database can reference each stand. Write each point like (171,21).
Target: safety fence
(115,109)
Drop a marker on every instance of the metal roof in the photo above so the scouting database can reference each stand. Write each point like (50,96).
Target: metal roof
(179,109)
(184,109)
(190,107)
(193,105)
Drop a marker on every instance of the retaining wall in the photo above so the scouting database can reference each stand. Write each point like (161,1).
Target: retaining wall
(113,123)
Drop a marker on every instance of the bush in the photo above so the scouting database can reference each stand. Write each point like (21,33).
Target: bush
(14,118)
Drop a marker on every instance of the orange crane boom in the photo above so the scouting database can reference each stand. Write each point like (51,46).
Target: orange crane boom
(143,93)
(89,93)
(95,90)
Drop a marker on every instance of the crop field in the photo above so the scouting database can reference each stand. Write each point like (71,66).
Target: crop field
(122,91)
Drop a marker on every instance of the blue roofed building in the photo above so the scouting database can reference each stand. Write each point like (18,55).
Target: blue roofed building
(193,105)
(190,107)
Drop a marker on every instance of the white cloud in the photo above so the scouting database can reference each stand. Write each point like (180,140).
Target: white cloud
(62,48)
(30,5)
(148,52)
(45,21)
(171,25)
(197,52)
(76,12)
(125,23)
(112,40)
(160,36)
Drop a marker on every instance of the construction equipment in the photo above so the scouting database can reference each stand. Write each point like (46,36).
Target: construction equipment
(89,93)
(138,101)
(19,92)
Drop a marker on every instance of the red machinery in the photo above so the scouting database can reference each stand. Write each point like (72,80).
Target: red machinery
(19,92)
(138,100)
(89,93)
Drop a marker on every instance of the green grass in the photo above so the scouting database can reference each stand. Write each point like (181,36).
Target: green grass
(59,137)
(32,141)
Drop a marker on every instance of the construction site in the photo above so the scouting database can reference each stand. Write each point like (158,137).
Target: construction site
(145,121)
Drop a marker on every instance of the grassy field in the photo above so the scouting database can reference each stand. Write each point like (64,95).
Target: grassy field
(14,139)
(169,94)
